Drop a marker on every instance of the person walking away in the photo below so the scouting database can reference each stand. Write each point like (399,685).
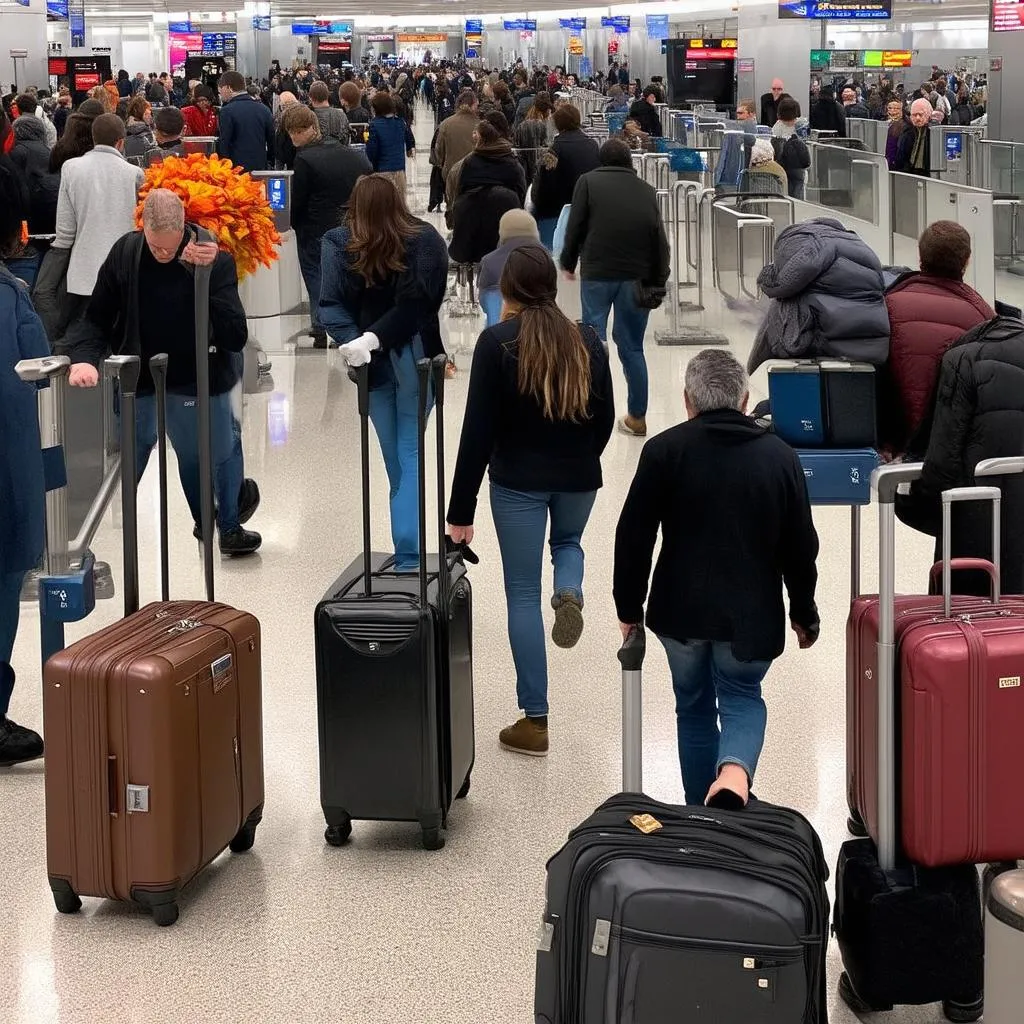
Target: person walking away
(644,113)
(827,115)
(913,152)
(246,126)
(384,277)
(490,164)
(572,154)
(28,106)
(142,305)
(200,117)
(531,135)
(897,124)
(95,207)
(791,151)
(715,602)
(333,122)
(22,487)
(515,229)
(31,158)
(769,103)
(928,310)
(616,235)
(390,141)
(455,136)
(325,174)
(539,414)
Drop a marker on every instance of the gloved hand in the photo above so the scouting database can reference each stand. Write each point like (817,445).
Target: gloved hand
(357,352)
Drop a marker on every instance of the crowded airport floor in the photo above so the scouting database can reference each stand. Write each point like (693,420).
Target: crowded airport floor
(380,930)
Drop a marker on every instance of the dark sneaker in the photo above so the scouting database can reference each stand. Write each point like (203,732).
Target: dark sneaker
(239,541)
(568,619)
(18,744)
(319,337)
(248,499)
(527,736)
(248,502)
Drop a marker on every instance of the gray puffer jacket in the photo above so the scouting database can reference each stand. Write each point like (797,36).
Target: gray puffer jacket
(827,297)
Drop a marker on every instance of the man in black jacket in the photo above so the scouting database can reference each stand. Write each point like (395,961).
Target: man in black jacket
(155,267)
(770,103)
(615,232)
(325,173)
(645,114)
(735,521)
(246,126)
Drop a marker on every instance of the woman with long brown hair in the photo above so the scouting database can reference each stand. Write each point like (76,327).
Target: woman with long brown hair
(539,414)
(383,280)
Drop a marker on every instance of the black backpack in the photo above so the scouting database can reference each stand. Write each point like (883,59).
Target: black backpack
(791,154)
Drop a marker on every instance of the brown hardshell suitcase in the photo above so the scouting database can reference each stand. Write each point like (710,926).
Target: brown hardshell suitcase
(154,736)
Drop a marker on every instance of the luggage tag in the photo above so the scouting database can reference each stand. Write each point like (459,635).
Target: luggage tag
(646,823)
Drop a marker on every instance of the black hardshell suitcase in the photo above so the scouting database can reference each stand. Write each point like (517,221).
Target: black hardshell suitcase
(658,913)
(394,669)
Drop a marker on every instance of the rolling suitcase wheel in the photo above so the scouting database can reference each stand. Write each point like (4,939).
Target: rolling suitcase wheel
(65,898)
(165,914)
(854,1001)
(433,839)
(855,825)
(246,835)
(464,791)
(963,1013)
(338,835)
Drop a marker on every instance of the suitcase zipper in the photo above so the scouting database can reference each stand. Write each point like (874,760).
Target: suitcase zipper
(754,957)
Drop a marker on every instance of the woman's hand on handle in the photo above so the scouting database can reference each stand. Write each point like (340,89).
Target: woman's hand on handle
(460,534)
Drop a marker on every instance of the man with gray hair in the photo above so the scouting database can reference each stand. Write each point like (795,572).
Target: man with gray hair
(913,151)
(731,503)
(142,305)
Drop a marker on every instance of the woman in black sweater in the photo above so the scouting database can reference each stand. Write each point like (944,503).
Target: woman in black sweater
(539,414)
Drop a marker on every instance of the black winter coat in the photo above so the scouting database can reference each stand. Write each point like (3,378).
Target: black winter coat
(646,116)
(475,216)
(572,155)
(482,168)
(978,414)
(31,156)
(325,174)
(828,116)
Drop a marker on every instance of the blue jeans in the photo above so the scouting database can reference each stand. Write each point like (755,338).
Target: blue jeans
(183,433)
(711,684)
(394,412)
(10,609)
(628,328)
(520,521)
(309,263)
(546,228)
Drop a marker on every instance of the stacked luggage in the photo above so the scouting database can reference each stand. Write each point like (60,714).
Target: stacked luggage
(935,712)
(154,740)
(825,408)
(657,913)
(394,667)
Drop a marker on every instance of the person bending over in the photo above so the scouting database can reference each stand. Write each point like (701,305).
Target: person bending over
(731,503)
(158,264)
(539,414)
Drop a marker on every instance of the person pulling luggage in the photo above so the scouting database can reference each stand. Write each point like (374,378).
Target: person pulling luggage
(539,414)
(731,503)
(156,263)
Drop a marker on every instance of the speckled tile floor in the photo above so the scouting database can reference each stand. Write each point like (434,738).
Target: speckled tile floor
(380,931)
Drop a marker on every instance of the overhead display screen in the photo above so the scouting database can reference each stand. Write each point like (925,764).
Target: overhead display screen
(1007,17)
(837,10)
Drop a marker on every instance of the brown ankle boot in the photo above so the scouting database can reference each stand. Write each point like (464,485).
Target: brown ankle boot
(527,736)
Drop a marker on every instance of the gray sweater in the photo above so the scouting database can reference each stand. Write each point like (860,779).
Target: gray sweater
(95,207)
(333,124)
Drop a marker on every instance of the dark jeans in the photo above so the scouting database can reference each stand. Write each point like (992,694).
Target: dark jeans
(599,298)
(10,609)
(309,264)
(183,433)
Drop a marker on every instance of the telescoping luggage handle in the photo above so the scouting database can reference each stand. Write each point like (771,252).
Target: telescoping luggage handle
(885,481)
(429,371)
(631,657)
(158,371)
(206,518)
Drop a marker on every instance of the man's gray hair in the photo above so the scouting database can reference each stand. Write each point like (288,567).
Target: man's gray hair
(163,211)
(715,380)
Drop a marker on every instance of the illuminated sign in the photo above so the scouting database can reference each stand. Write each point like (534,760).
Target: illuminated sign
(711,53)
(520,25)
(1007,17)
(897,58)
(573,24)
(619,22)
(657,26)
(422,37)
(57,66)
(837,10)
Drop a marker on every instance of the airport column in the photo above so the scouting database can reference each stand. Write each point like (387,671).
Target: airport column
(1006,72)
(779,49)
(23,43)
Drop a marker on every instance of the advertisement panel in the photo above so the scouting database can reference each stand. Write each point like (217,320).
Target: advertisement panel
(76,21)
(657,26)
(1007,17)
(837,10)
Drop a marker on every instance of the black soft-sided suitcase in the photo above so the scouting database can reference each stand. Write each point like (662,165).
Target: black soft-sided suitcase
(658,914)
(394,670)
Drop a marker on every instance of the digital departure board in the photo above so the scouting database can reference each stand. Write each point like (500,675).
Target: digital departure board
(1007,17)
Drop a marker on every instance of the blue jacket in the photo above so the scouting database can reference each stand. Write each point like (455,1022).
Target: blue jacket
(22,489)
(246,133)
(390,139)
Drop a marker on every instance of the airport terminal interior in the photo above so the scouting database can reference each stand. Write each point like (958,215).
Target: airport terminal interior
(380,930)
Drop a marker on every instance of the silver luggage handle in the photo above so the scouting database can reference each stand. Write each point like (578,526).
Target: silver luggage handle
(631,657)
(955,494)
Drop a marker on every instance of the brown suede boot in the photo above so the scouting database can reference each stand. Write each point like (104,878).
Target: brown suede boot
(635,426)
(527,736)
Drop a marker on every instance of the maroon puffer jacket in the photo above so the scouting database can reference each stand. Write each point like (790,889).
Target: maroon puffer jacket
(926,315)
